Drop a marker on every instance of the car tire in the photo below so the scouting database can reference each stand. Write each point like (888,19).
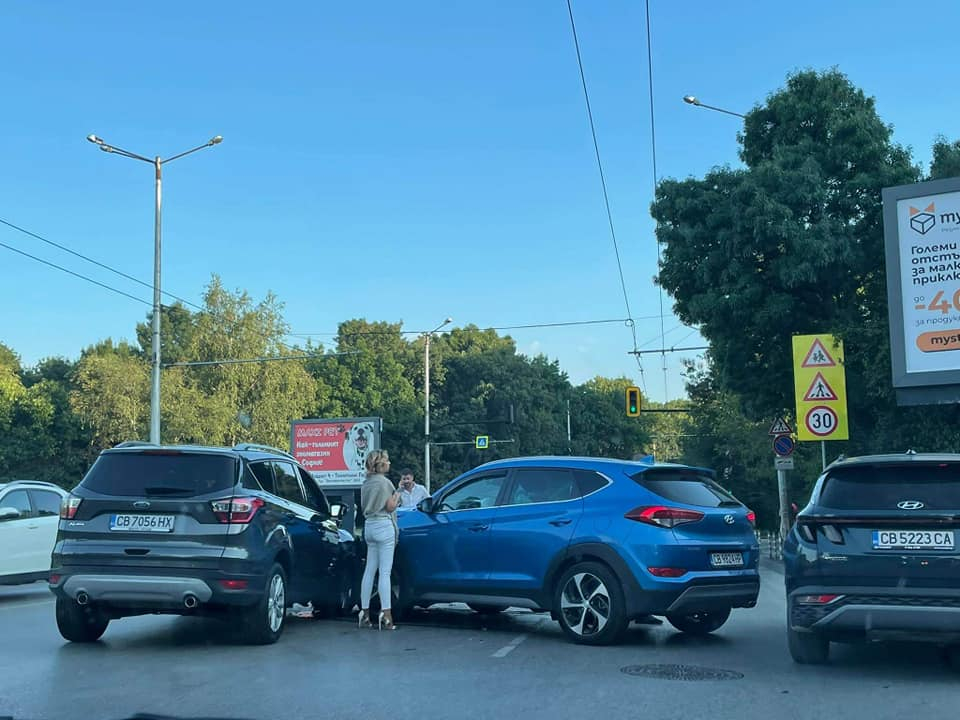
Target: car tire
(338,606)
(807,648)
(262,623)
(589,604)
(80,623)
(699,623)
(486,609)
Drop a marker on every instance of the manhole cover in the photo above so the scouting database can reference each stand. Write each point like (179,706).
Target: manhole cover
(680,672)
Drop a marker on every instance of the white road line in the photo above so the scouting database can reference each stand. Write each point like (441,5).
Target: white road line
(509,647)
(35,603)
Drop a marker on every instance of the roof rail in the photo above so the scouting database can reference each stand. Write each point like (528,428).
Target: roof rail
(264,448)
(135,443)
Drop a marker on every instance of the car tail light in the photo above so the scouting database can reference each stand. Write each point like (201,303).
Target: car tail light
(666,572)
(236,510)
(69,506)
(662,516)
(752,517)
(807,532)
(833,534)
(53,579)
(233,584)
(817,599)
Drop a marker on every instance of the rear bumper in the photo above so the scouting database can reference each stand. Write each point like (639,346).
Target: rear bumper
(159,591)
(700,596)
(907,613)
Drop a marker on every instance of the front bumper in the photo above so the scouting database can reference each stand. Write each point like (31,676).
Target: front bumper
(875,612)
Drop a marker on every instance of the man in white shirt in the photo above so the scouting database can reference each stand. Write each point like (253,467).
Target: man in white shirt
(411,493)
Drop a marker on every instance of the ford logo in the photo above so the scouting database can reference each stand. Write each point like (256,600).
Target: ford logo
(728,519)
(909,504)
(141,504)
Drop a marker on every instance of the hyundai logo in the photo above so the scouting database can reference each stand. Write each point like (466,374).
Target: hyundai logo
(909,504)
(728,519)
(141,504)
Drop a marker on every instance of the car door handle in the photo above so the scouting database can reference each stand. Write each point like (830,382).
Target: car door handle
(479,528)
(558,523)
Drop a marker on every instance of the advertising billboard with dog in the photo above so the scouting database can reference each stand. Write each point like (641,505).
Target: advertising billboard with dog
(334,450)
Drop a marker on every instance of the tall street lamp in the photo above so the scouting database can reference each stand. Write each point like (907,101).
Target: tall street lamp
(157,163)
(692,100)
(426,401)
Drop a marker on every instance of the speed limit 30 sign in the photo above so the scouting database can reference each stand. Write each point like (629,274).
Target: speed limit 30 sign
(821,421)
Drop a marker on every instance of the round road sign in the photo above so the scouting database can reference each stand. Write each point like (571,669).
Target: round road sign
(821,420)
(783,445)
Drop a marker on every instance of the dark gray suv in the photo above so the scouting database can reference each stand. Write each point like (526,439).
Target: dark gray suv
(874,555)
(239,533)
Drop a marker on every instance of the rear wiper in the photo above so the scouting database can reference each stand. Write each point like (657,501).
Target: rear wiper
(729,503)
(169,491)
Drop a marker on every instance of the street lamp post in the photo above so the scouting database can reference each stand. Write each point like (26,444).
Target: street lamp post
(692,100)
(426,402)
(158,164)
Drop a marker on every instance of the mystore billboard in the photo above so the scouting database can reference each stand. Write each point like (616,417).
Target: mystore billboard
(334,450)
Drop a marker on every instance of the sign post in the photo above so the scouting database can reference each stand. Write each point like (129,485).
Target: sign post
(783,447)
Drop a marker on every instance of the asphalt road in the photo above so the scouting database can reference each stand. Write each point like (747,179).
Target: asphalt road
(446,664)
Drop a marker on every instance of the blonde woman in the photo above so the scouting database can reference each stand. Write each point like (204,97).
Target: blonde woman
(379,500)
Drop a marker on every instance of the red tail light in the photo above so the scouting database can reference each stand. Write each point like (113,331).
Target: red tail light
(817,599)
(666,572)
(53,579)
(233,584)
(752,517)
(236,510)
(661,516)
(69,506)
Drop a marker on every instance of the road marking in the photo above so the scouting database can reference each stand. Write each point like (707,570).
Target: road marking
(35,603)
(509,647)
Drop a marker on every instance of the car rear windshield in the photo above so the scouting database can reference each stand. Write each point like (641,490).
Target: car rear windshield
(161,473)
(883,487)
(685,486)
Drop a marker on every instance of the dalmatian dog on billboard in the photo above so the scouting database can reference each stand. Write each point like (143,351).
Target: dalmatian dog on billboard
(357,442)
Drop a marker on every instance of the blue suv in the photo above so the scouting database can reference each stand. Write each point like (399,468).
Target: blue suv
(595,542)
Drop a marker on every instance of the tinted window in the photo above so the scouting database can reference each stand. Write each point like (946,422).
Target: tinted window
(542,486)
(479,493)
(286,482)
(264,475)
(881,487)
(46,502)
(315,498)
(159,473)
(685,486)
(589,481)
(18,499)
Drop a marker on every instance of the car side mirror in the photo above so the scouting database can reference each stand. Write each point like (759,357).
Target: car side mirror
(9,513)
(338,511)
(425,505)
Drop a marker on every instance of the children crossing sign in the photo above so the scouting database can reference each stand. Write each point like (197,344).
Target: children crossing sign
(820,388)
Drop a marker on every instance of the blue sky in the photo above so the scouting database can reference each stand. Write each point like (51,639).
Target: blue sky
(403,161)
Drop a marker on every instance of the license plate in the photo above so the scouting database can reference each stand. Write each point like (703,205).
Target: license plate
(726,560)
(141,523)
(913,539)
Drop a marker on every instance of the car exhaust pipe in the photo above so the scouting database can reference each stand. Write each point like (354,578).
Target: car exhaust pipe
(190,601)
(82,598)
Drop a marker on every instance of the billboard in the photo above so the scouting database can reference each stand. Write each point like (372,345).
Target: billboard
(334,450)
(921,228)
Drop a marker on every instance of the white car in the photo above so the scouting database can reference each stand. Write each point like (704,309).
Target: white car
(29,518)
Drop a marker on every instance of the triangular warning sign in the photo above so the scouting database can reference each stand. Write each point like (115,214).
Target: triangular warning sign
(817,356)
(820,390)
(780,427)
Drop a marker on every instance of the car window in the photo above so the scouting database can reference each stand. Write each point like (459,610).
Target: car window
(315,498)
(263,472)
(685,486)
(479,493)
(17,499)
(589,481)
(881,487)
(536,485)
(161,473)
(286,482)
(46,502)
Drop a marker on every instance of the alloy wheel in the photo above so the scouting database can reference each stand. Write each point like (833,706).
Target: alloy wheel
(276,603)
(585,604)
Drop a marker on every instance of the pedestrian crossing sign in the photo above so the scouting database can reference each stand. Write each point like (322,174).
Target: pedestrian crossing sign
(482,442)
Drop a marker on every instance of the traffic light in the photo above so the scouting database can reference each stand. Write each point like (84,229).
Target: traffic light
(633,402)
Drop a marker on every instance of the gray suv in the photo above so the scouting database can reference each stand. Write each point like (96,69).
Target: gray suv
(239,533)
(874,555)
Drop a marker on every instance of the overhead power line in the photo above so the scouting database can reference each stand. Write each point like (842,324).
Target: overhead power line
(528,326)
(95,262)
(75,274)
(603,182)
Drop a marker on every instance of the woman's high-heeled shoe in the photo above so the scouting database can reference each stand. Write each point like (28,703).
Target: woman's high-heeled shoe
(386,620)
(363,619)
